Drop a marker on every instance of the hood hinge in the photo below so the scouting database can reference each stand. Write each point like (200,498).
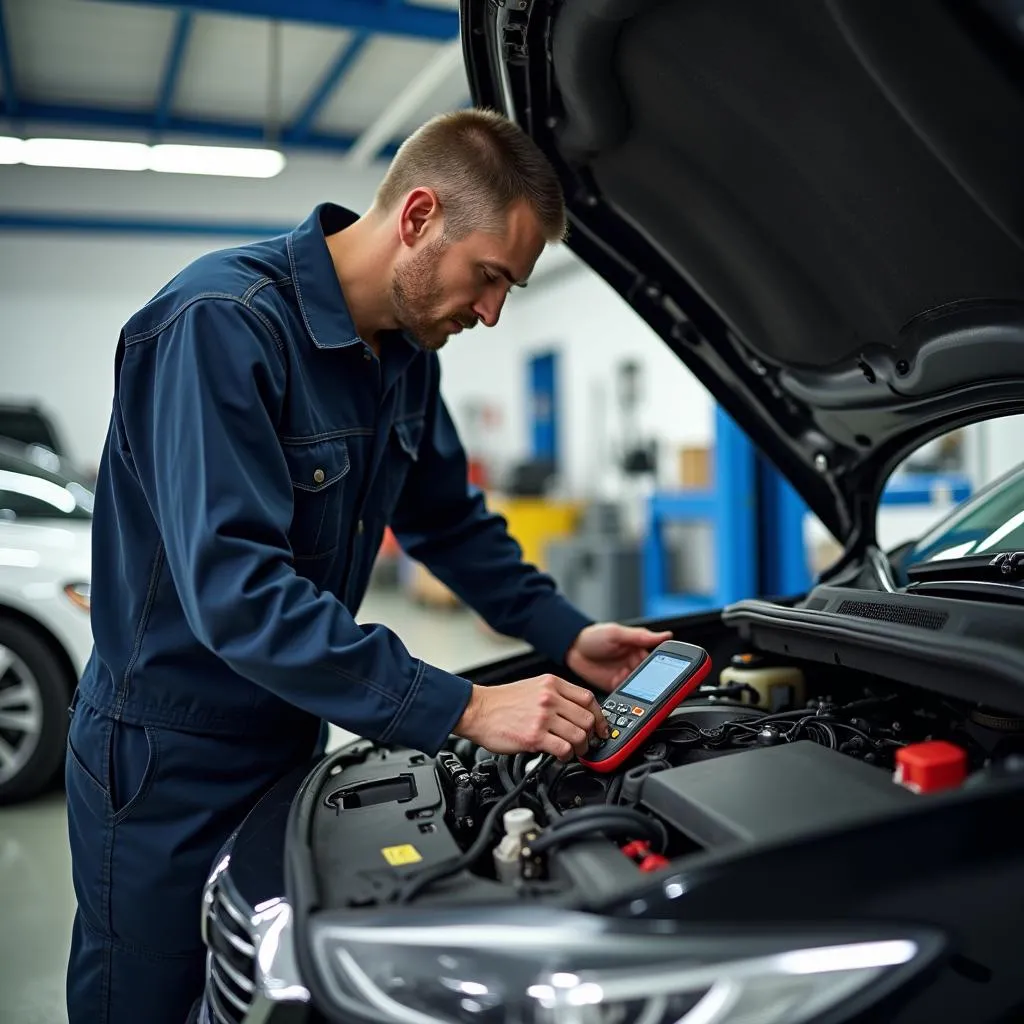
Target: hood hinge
(513,28)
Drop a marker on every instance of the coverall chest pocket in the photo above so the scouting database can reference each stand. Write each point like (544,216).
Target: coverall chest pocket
(320,471)
(403,451)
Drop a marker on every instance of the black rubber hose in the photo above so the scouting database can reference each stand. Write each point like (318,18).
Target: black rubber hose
(504,762)
(602,811)
(626,816)
(614,789)
(551,812)
(433,874)
(571,830)
(519,766)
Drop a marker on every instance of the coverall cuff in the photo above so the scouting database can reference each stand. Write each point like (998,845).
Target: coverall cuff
(554,626)
(430,712)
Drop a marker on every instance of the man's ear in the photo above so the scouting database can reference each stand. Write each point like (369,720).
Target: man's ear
(419,217)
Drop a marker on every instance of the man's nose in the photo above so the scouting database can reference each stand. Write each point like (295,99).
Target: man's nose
(488,309)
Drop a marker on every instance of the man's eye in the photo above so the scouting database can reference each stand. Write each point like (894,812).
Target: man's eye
(488,276)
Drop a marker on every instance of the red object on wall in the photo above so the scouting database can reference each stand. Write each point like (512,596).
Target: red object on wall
(478,473)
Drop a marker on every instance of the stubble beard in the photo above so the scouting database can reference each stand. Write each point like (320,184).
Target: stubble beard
(416,298)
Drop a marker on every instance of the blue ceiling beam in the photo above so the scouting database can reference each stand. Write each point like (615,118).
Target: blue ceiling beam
(91,224)
(327,86)
(225,132)
(172,69)
(380,16)
(11,104)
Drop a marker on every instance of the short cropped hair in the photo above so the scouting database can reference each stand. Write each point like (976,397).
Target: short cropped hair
(479,163)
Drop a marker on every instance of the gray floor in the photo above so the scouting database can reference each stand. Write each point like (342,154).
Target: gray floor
(36,898)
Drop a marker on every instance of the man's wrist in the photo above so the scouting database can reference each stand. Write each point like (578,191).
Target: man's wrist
(466,725)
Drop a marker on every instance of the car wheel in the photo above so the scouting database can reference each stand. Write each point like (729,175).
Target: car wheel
(33,712)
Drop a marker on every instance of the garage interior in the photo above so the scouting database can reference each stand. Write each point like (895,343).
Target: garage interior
(616,471)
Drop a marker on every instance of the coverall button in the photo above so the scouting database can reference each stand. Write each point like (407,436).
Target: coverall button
(318,476)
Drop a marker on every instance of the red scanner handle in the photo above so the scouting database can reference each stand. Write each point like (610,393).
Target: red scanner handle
(609,764)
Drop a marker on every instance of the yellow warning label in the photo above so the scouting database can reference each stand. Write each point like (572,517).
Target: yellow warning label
(399,855)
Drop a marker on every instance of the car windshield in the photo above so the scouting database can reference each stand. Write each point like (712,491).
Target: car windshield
(30,491)
(990,522)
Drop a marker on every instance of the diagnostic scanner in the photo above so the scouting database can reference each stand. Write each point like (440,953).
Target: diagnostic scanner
(665,678)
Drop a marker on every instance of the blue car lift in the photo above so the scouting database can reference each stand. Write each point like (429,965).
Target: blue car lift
(758,525)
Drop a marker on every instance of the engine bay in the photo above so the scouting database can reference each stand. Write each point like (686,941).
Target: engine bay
(770,751)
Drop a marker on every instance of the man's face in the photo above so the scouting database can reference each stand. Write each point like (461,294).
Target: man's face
(440,288)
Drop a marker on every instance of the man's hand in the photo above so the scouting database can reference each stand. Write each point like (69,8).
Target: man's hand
(605,653)
(543,714)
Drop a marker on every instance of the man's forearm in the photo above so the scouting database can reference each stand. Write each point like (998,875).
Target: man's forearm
(474,555)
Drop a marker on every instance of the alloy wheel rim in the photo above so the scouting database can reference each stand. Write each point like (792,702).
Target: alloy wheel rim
(21,714)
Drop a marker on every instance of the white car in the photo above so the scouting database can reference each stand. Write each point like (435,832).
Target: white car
(45,632)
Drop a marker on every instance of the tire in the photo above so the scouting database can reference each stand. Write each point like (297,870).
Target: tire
(34,695)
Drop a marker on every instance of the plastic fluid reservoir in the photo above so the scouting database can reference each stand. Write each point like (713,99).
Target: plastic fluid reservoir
(777,686)
(518,823)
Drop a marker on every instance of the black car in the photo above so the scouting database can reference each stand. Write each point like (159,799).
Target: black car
(818,207)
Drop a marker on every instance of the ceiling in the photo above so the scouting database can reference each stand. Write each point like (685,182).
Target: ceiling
(329,75)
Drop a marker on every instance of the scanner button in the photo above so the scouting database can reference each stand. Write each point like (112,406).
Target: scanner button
(638,712)
(610,703)
(621,721)
(615,734)
(622,708)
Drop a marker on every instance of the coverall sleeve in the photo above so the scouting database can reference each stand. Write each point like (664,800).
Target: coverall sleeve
(443,521)
(200,403)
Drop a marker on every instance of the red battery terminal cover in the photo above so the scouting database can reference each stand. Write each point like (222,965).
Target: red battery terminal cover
(639,851)
(930,767)
(653,862)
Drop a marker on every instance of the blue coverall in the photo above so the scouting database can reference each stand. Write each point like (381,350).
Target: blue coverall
(257,449)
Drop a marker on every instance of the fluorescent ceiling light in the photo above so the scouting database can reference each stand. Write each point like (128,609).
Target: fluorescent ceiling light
(236,162)
(85,153)
(10,150)
(239,163)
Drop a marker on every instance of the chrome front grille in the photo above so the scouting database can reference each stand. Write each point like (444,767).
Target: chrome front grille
(230,961)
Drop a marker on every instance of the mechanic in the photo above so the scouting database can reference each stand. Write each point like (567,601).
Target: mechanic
(276,406)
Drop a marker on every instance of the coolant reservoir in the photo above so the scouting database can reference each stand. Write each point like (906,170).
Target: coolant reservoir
(518,823)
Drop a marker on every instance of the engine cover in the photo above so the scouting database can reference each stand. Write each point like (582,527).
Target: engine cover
(769,794)
(382,820)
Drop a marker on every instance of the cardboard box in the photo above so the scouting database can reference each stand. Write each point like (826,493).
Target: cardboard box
(695,467)
(825,552)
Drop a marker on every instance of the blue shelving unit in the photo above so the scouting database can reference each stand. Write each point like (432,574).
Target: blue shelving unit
(758,526)
(730,505)
(784,567)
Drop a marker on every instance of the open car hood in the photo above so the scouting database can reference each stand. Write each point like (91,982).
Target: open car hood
(818,206)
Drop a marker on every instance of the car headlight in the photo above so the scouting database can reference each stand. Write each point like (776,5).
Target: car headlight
(79,594)
(545,966)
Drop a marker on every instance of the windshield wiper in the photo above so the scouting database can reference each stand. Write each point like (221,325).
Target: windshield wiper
(1005,567)
(977,590)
